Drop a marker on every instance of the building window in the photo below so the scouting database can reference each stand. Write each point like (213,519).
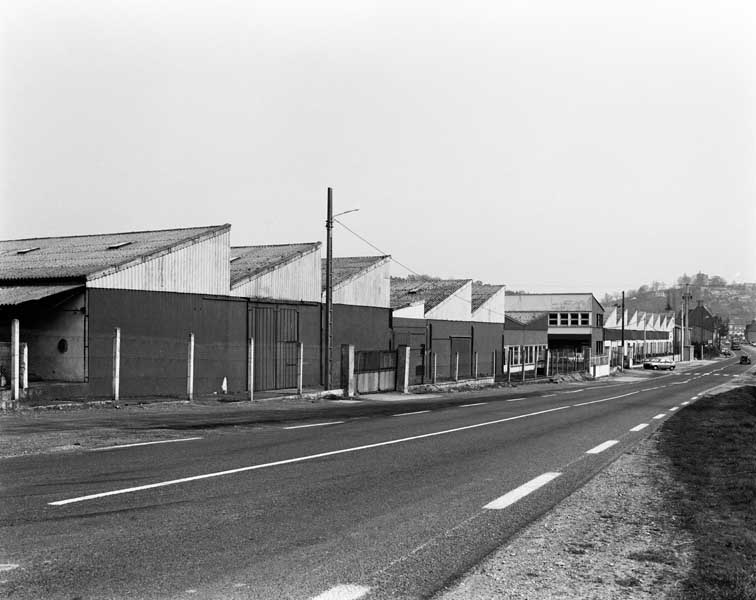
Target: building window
(599,347)
(553,319)
(574,319)
(564,319)
(585,319)
(599,320)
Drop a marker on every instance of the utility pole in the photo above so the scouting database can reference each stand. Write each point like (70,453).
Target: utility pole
(623,331)
(685,317)
(329,291)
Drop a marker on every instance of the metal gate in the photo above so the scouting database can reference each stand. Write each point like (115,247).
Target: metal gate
(375,370)
(276,332)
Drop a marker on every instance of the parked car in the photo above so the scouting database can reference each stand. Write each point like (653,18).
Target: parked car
(745,360)
(659,364)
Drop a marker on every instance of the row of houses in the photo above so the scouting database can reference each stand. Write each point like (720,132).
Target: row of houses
(256,319)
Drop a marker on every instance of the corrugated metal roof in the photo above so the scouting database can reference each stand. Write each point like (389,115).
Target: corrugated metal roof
(405,292)
(83,256)
(251,261)
(18,294)
(482,292)
(347,267)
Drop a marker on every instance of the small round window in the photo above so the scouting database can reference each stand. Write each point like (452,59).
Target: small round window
(63,346)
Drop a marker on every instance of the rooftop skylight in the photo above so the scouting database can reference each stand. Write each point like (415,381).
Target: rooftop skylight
(118,245)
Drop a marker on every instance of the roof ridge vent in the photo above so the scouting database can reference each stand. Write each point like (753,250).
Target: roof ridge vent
(27,250)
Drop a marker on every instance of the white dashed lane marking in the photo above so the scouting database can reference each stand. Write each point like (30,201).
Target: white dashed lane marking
(674,408)
(639,427)
(144,444)
(417,412)
(660,416)
(520,492)
(314,425)
(474,404)
(343,592)
(515,399)
(601,447)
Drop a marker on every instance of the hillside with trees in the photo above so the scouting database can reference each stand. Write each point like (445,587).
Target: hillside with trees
(730,301)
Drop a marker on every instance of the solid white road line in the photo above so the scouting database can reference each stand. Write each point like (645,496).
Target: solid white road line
(313,425)
(518,493)
(515,399)
(660,416)
(343,592)
(298,459)
(474,404)
(417,412)
(602,447)
(639,427)
(144,444)
(605,399)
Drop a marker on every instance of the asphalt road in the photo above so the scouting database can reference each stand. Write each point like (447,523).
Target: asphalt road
(388,505)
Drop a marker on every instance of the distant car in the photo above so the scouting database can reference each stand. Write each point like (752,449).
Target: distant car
(659,364)
(745,360)
(726,352)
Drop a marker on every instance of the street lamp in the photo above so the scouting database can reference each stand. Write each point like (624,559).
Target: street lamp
(329,288)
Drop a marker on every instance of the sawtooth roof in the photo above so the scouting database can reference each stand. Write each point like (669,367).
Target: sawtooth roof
(405,292)
(83,257)
(481,292)
(248,262)
(347,267)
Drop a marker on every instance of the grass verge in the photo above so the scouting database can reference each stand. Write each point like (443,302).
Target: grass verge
(712,449)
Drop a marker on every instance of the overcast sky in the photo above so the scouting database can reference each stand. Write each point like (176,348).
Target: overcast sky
(549,146)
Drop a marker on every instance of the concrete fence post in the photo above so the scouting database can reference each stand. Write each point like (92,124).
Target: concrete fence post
(15,359)
(251,369)
(493,364)
(522,361)
(116,363)
(535,364)
(402,369)
(548,363)
(509,364)
(347,369)
(24,366)
(300,367)
(190,369)
(435,368)
(475,366)
(456,366)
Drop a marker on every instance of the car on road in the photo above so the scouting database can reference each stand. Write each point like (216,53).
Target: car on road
(726,352)
(745,360)
(659,364)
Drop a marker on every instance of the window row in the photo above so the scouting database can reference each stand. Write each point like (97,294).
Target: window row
(518,355)
(571,319)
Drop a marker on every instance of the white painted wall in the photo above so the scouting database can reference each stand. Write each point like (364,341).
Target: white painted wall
(296,280)
(492,310)
(371,288)
(201,268)
(457,307)
(416,311)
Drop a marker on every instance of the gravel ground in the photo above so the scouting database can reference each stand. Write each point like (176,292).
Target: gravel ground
(613,538)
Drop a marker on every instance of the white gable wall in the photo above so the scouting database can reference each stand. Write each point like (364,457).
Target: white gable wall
(457,307)
(372,287)
(416,311)
(200,268)
(492,310)
(297,280)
